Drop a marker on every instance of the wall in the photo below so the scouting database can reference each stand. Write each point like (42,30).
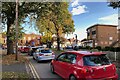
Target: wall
(104,34)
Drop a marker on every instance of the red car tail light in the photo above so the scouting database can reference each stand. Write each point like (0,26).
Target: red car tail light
(40,54)
(83,70)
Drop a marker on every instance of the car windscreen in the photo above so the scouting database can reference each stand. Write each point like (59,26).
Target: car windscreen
(46,51)
(96,60)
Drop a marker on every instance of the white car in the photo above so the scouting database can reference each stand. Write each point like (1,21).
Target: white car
(43,54)
(33,49)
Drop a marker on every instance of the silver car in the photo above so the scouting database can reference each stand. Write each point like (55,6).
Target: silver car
(43,54)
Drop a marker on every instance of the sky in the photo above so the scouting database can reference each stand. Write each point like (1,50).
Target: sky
(86,14)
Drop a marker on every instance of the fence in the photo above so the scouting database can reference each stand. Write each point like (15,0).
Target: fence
(114,56)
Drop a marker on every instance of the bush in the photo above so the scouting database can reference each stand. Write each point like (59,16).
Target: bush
(112,49)
(117,49)
(106,48)
(88,47)
(94,50)
(98,47)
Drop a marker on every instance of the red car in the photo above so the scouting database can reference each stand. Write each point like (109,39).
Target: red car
(23,49)
(83,65)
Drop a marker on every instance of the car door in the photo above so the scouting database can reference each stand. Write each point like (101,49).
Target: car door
(64,65)
(57,64)
(68,65)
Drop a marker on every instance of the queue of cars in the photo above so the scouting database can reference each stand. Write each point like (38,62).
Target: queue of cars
(77,65)
(39,53)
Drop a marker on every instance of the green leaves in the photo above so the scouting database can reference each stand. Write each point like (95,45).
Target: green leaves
(59,18)
(115,4)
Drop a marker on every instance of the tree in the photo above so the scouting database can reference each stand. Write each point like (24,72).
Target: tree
(58,21)
(46,38)
(115,4)
(25,9)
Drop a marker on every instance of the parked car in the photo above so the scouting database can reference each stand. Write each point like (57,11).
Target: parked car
(33,49)
(23,49)
(68,47)
(43,54)
(83,65)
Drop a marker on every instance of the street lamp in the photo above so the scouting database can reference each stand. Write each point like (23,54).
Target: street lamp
(76,38)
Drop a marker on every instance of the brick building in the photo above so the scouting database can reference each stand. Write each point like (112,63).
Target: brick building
(27,39)
(30,39)
(101,35)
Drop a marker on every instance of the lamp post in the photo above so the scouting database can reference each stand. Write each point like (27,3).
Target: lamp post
(76,38)
(16,28)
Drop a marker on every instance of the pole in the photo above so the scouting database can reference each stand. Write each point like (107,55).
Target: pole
(76,38)
(115,56)
(16,27)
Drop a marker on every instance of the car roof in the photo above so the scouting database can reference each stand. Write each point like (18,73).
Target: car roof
(83,53)
(44,49)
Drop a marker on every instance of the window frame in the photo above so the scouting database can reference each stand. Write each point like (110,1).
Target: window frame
(67,60)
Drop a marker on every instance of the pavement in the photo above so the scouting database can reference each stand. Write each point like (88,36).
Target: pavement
(16,67)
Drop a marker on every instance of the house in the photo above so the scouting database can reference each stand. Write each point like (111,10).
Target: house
(30,39)
(101,35)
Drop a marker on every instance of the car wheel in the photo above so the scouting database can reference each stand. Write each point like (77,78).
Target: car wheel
(72,77)
(37,61)
(52,68)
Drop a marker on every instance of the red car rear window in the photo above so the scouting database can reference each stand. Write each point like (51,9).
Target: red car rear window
(96,60)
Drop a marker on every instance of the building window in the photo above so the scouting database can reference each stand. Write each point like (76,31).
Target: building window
(101,42)
(93,32)
(94,36)
(110,38)
(110,43)
(88,34)
(106,42)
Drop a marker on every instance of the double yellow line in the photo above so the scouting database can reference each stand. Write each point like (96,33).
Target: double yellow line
(34,72)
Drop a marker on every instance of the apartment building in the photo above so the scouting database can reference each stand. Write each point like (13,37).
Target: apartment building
(101,35)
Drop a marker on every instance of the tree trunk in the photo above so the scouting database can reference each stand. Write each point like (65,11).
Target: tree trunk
(58,41)
(10,49)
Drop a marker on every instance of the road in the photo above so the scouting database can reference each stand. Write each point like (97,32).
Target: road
(43,70)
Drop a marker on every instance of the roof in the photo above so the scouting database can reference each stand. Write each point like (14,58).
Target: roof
(101,25)
(86,52)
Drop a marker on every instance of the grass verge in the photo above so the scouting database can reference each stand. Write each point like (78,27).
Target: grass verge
(15,75)
(10,59)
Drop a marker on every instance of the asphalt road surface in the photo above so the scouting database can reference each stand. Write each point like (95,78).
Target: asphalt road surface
(43,70)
